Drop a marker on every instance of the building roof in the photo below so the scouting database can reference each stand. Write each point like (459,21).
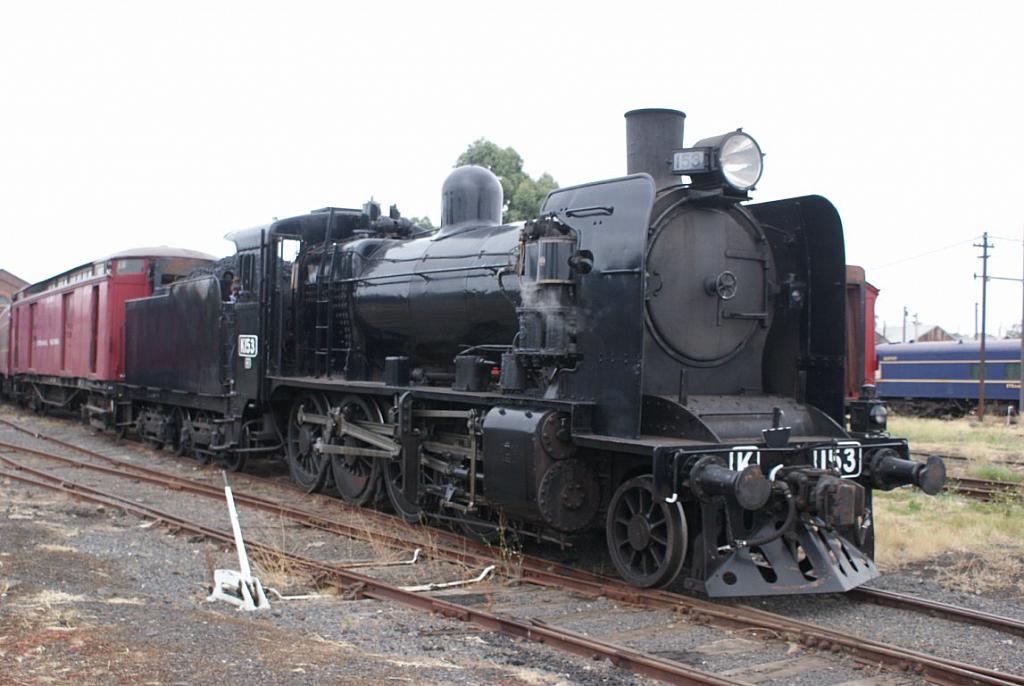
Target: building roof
(10,281)
(894,333)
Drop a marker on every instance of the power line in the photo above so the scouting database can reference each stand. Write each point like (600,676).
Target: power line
(925,254)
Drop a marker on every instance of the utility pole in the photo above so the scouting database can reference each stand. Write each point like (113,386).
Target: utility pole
(985,245)
(905,313)
(1020,399)
(975,321)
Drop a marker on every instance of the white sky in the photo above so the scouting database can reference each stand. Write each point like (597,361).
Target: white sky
(130,124)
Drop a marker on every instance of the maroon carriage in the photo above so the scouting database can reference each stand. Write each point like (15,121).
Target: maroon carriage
(67,333)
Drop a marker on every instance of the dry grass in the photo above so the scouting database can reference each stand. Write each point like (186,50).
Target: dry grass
(996,473)
(986,445)
(287,576)
(282,573)
(982,544)
(384,551)
(972,574)
(510,555)
(964,436)
(507,549)
(425,570)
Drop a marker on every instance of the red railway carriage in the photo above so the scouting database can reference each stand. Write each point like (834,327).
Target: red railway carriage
(5,332)
(860,362)
(860,331)
(67,332)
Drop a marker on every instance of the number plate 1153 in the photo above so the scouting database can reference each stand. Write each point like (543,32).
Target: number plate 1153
(844,456)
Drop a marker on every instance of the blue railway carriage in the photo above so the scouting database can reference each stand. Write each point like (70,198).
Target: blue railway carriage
(944,378)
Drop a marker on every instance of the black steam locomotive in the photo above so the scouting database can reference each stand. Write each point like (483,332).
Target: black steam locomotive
(649,356)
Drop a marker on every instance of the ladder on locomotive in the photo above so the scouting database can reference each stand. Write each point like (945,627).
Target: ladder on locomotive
(324,349)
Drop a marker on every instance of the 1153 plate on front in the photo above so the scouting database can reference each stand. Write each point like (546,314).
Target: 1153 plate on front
(845,457)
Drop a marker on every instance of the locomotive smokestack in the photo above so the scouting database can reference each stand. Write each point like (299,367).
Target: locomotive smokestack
(651,136)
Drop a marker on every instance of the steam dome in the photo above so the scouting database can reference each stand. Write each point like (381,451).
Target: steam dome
(471,196)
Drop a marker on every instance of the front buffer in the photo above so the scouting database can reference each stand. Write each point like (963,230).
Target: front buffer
(787,519)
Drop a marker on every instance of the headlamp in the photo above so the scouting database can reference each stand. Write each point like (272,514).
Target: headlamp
(868,415)
(879,416)
(734,158)
(741,161)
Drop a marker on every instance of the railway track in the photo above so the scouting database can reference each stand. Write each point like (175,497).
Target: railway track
(935,608)
(455,547)
(369,587)
(546,573)
(980,489)
(1011,461)
(985,489)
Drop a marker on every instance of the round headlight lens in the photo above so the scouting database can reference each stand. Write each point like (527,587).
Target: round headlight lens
(879,415)
(740,161)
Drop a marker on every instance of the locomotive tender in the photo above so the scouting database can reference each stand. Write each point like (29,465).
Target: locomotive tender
(651,357)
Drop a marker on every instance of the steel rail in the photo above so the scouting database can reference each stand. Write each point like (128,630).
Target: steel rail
(963,458)
(620,656)
(994,484)
(984,489)
(460,551)
(546,573)
(274,507)
(938,609)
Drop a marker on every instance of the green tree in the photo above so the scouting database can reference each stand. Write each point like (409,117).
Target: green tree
(423,223)
(523,194)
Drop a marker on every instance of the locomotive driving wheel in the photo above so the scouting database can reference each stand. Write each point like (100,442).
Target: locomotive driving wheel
(394,484)
(357,477)
(646,536)
(309,468)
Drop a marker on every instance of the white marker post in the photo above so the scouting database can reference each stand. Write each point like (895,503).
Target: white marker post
(239,588)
